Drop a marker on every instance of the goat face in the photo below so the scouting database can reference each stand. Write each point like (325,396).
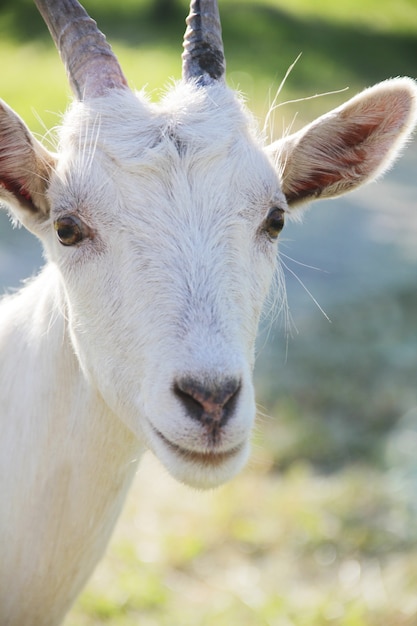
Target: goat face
(164,242)
(162,221)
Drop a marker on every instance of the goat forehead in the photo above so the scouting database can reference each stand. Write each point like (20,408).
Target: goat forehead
(217,182)
(124,152)
(128,126)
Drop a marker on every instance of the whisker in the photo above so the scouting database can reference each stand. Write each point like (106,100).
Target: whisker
(50,134)
(308,292)
(278,305)
(306,265)
(268,121)
(312,97)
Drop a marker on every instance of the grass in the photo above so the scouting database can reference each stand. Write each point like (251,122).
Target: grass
(320,529)
(296,548)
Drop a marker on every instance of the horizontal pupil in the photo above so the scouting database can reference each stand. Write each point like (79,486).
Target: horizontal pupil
(66,232)
(69,231)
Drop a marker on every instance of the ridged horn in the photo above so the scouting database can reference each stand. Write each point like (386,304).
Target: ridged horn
(203,57)
(91,65)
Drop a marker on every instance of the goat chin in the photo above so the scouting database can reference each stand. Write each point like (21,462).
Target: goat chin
(200,470)
(195,460)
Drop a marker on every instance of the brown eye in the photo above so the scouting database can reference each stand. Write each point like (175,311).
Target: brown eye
(70,230)
(274,223)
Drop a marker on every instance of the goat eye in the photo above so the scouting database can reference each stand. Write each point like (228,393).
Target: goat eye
(70,230)
(274,223)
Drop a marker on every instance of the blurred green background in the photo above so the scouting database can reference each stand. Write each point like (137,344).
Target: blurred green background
(321,527)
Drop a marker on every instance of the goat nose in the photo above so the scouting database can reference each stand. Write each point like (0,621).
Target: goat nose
(212,403)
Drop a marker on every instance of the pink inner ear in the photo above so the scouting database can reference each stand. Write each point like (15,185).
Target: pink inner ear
(351,158)
(16,188)
(356,133)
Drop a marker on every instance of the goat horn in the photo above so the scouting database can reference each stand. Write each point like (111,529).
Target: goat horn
(203,57)
(91,65)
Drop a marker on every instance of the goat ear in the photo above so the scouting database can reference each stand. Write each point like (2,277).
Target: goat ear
(350,145)
(25,168)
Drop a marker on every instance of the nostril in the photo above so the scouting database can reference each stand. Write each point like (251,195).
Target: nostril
(208,401)
(192,406)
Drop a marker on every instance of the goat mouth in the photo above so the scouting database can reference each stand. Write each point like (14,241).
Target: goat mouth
(209,458)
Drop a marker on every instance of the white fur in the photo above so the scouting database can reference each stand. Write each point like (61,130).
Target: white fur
(170,284)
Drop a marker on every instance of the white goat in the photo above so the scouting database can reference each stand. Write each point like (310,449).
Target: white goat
(159,224)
